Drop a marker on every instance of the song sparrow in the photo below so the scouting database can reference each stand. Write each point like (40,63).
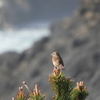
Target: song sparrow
(57,60)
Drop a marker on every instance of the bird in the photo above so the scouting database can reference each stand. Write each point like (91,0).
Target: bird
(57,60)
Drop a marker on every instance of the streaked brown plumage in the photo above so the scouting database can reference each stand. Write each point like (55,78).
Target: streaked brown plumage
(57,60)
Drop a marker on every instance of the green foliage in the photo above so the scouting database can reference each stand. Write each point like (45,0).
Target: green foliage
(36,94)
(64,89)
(61,86)
(36,97)
(20,98)
(20,95)
(79,95)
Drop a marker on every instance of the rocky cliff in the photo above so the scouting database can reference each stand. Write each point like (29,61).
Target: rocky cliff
(76,38)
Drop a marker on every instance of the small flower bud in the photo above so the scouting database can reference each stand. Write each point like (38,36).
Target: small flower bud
(25,84)
(36,88)
(80,86)
(53,97)
(39,91)
(68,79)
(13,98)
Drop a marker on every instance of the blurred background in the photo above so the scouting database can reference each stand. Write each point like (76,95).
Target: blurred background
(22,22)
(30,30)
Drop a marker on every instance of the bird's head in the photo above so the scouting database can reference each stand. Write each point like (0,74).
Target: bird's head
(55,54)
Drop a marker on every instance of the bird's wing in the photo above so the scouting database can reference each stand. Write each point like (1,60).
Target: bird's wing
(61,61)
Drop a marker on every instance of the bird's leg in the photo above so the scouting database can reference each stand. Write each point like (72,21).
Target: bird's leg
(55,67)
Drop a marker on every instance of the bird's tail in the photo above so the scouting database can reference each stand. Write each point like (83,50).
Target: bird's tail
(62,67)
